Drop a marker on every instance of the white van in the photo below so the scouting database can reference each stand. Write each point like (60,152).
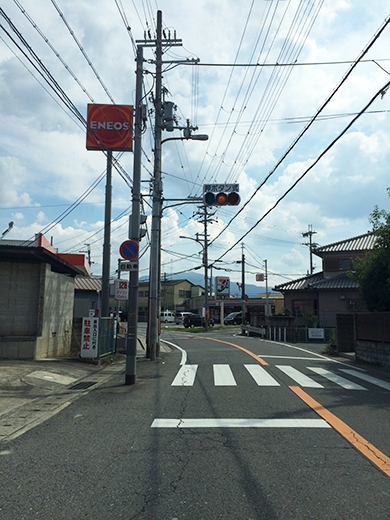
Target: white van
(167,317)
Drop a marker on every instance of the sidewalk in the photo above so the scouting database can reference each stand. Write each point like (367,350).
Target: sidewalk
(32,391)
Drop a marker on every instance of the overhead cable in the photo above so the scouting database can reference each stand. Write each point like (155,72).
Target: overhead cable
(381,93)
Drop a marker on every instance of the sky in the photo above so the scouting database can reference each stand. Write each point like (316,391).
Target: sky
(253,115)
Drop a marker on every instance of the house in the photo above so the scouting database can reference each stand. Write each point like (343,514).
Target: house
(330,291)
(36,300)
(175,295)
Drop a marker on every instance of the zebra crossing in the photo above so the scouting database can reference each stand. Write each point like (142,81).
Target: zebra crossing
(223,376)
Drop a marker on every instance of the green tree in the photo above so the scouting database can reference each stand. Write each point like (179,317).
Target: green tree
(373,270)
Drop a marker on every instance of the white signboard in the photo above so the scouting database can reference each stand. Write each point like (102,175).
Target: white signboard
(121,290)
(315,333)
(222,288)
(128,265)
(90,338)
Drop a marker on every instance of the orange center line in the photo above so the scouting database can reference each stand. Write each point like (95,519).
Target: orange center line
(261,361)
(366,448)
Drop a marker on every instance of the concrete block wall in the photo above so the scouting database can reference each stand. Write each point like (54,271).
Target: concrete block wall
(375,352)
(57,315)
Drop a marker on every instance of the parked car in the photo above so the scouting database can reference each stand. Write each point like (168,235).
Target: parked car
(167,316)
(179,317)
(195,320)
(234,318)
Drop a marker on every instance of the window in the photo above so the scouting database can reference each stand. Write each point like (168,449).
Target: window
(141,294)
(345,264)
(301,306)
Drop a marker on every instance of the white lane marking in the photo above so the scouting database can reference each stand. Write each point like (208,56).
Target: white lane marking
(240,423)
(299,358)
(332,360)
(369,379)
(298,377)
(341,381)
(185,376)
(183,352)
(223,376)
(261,376)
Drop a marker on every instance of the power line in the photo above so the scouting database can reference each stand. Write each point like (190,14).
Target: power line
(82,50)
(306,128)
(381,93)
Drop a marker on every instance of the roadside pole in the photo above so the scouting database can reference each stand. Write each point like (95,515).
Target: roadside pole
(107,240)
(243,320)
(132,318)
(206,278)
(154,278)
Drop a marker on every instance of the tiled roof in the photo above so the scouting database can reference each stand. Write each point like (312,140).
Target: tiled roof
(84,283)
(318,282)
(360,243)
(300,284)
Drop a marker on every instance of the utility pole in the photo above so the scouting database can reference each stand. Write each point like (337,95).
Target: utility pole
(107,241)
(266,289)
(311,245)
(206,278)
(132,306)
(243,286)
(154,278)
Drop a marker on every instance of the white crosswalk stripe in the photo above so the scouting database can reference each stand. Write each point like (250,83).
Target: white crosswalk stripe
(298,377)
(345,383)
(185,376)
(261,376)
(223,376)
(369,379)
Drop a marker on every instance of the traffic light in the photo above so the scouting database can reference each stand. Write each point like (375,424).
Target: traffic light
(221,194)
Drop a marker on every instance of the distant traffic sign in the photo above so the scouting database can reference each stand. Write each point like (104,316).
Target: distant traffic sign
(129,250)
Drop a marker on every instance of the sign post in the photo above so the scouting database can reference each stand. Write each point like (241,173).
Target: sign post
(109,128)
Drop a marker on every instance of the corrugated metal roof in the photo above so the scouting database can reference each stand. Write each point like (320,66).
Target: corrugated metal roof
(317,282)
(360,243)
(83,283)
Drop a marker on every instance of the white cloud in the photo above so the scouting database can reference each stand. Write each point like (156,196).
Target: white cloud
(43,160)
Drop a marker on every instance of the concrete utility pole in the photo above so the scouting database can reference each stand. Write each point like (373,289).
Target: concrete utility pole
(311,245)
(243,286)
(132,307)
(206,278)
(107,241)
(266,288)
(154,277)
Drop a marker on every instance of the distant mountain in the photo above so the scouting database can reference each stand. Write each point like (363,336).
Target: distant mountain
(251,290)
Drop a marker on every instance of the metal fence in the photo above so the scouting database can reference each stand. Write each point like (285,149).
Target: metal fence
(107,336)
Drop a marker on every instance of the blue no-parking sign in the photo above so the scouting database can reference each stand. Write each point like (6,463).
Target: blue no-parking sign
(129,250)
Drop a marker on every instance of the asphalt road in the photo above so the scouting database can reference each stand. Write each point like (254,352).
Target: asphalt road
(223,427)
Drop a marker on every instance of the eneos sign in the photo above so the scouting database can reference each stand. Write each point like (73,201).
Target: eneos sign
(110,127)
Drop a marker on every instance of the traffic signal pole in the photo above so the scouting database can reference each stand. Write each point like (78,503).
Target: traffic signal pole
(206,278)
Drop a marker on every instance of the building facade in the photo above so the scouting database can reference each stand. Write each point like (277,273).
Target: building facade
(332,291)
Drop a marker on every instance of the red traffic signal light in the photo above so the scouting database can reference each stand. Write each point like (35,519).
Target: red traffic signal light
(233,199)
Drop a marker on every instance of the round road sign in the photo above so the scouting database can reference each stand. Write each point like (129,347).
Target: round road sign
(129,250)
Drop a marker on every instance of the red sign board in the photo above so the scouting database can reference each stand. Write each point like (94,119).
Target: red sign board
(121,290)
(110,127)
